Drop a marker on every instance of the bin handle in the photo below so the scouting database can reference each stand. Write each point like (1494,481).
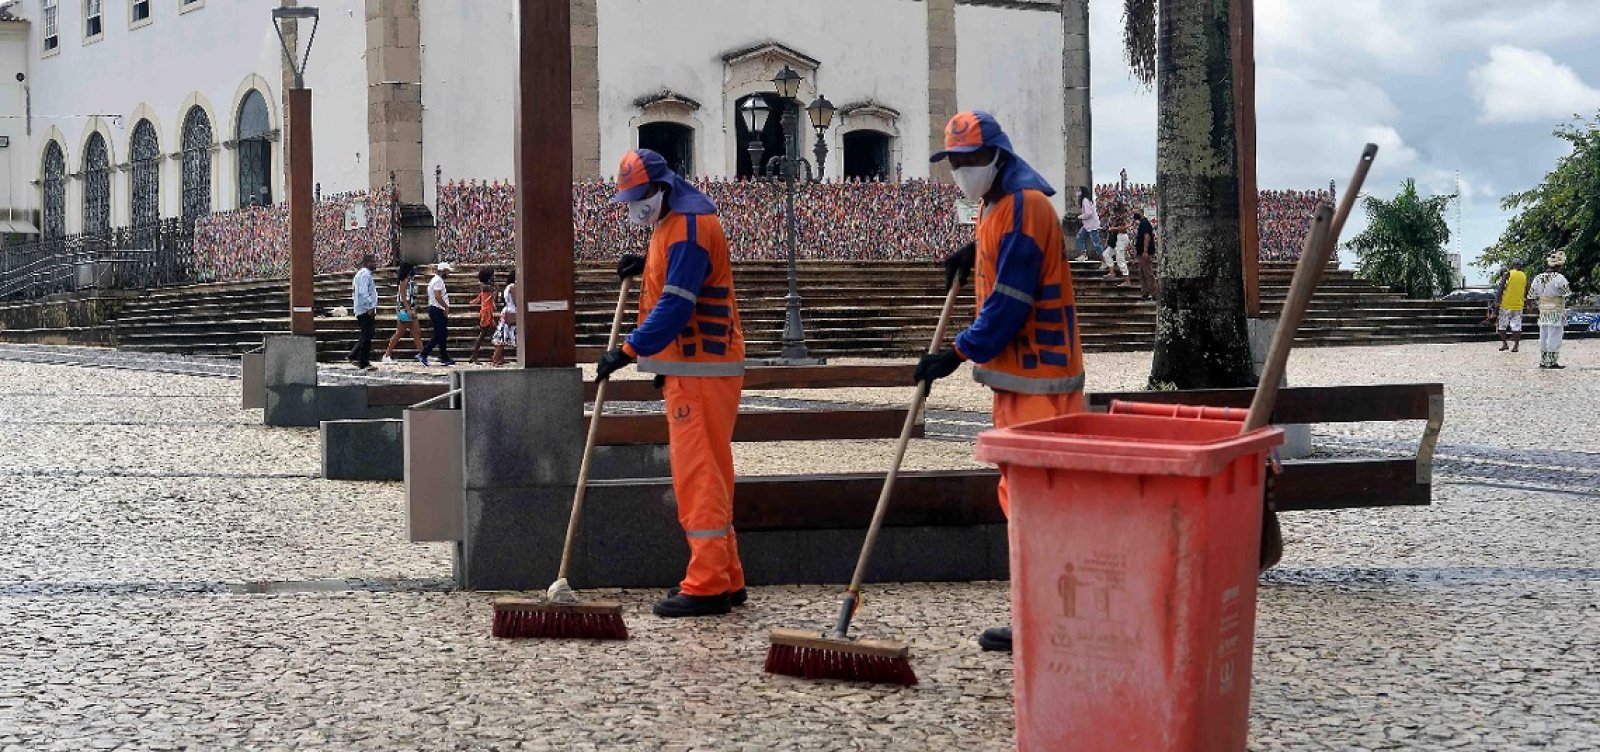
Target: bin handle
(1174,410)
(433,400)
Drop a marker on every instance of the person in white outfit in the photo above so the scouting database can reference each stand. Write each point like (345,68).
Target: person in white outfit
(1551,290)
(1116,258)
(1089,233)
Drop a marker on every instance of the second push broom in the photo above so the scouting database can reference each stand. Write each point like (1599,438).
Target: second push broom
(834,654)
(561,615)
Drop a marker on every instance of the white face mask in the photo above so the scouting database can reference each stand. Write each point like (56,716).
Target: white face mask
(645,211)
(975,181)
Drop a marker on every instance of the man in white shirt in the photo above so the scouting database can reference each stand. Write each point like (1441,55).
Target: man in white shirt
(438,316)
(365,292)
(1551,290)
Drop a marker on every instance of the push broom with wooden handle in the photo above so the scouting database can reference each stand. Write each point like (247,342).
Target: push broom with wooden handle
(834,654)
(1314,257)
(562,615)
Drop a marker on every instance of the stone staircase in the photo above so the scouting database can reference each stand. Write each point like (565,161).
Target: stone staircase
(850,309)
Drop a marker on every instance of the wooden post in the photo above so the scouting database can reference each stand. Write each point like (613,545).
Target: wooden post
(1242,14)
(302,265)
(545,331)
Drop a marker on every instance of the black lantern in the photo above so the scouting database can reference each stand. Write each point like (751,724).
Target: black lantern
(787,83)
(821,112)
(296,13)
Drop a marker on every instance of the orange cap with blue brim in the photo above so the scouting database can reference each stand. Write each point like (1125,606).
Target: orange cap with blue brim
(970,131)
(641,167)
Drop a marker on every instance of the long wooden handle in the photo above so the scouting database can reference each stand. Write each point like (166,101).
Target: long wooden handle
(582,489)
(1314,257)
(900,448)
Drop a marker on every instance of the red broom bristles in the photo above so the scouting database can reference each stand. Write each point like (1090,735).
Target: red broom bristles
(525,623)
(817,663)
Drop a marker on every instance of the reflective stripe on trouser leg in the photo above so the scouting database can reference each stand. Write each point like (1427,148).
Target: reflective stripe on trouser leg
(700,415)
(1012,408)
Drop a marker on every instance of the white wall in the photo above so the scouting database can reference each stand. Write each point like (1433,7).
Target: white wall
(337,77)
(873,49)
(209,55)
(469,59)
(1008,63)
(468,119)
(19,161)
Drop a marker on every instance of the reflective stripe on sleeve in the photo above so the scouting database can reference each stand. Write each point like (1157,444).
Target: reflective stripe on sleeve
(1013,293)
(680,292)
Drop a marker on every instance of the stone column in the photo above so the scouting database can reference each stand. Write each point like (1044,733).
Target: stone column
(394,96)
(1077,151)
(586,90)
(942,103)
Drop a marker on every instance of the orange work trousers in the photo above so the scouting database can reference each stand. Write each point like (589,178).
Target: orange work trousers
(1012,408)
(701,411)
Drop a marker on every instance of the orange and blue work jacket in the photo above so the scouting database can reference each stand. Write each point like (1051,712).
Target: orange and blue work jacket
(688,321)
(1025,338)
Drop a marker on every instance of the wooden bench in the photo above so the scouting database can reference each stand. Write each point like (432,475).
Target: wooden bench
(1334,483)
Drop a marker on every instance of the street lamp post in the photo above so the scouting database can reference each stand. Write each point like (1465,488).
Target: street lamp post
(787,166)
(301,263)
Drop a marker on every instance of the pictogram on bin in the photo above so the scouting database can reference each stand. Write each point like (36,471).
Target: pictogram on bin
(1135,539)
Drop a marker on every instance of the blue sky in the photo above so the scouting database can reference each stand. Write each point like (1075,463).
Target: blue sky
(1440,85)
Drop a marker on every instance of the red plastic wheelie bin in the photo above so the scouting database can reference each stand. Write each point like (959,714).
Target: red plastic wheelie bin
(1135,540)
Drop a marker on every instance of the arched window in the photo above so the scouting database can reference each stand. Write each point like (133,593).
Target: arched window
(54,221)
(96,187)
(866,155)
(196,165)
(771,135)
(255,151)
(145,161)
(673,141)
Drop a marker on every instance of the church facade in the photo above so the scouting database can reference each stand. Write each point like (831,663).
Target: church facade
(123,112)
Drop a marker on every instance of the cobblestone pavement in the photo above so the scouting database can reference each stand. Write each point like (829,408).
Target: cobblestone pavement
(174,576)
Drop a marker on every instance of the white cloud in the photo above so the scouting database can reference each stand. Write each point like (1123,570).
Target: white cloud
(1528,86)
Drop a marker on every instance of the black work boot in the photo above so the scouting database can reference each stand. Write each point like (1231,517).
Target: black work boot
(996,638)
(736,597)
(694,605)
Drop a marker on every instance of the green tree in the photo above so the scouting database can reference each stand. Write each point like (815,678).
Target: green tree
(1184,45)
(1561,214)
(1403,246)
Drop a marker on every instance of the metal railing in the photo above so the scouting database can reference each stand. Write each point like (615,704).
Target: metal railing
(128,258)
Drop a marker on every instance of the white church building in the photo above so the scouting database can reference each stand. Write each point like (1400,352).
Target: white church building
(116,113)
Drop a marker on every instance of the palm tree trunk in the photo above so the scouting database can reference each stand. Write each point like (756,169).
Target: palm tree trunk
(1201,342)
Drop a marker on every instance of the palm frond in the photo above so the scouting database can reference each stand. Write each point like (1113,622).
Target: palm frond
(1139,39)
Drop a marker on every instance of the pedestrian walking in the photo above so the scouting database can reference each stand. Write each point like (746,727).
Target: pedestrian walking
(1551,290)
(1513,297)
(1116,258)
(365,305)
(1024,342)
(405,311)
(486,324)
(1089,233)
(438,316)
(1144,248)
(689,336)
(505,335)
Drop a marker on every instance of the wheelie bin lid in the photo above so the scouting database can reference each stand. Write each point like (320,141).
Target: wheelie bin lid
(1133,444)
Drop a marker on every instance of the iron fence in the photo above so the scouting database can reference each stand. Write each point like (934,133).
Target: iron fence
(126,258)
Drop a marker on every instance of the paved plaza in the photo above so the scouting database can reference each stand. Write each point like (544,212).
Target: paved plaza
(174,575)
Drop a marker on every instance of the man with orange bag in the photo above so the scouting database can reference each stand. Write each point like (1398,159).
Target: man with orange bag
(688,335)
(1025,343)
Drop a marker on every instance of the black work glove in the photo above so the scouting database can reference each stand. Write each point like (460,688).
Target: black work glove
(611,362)
(630,265)
(934,366)
(960,264)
